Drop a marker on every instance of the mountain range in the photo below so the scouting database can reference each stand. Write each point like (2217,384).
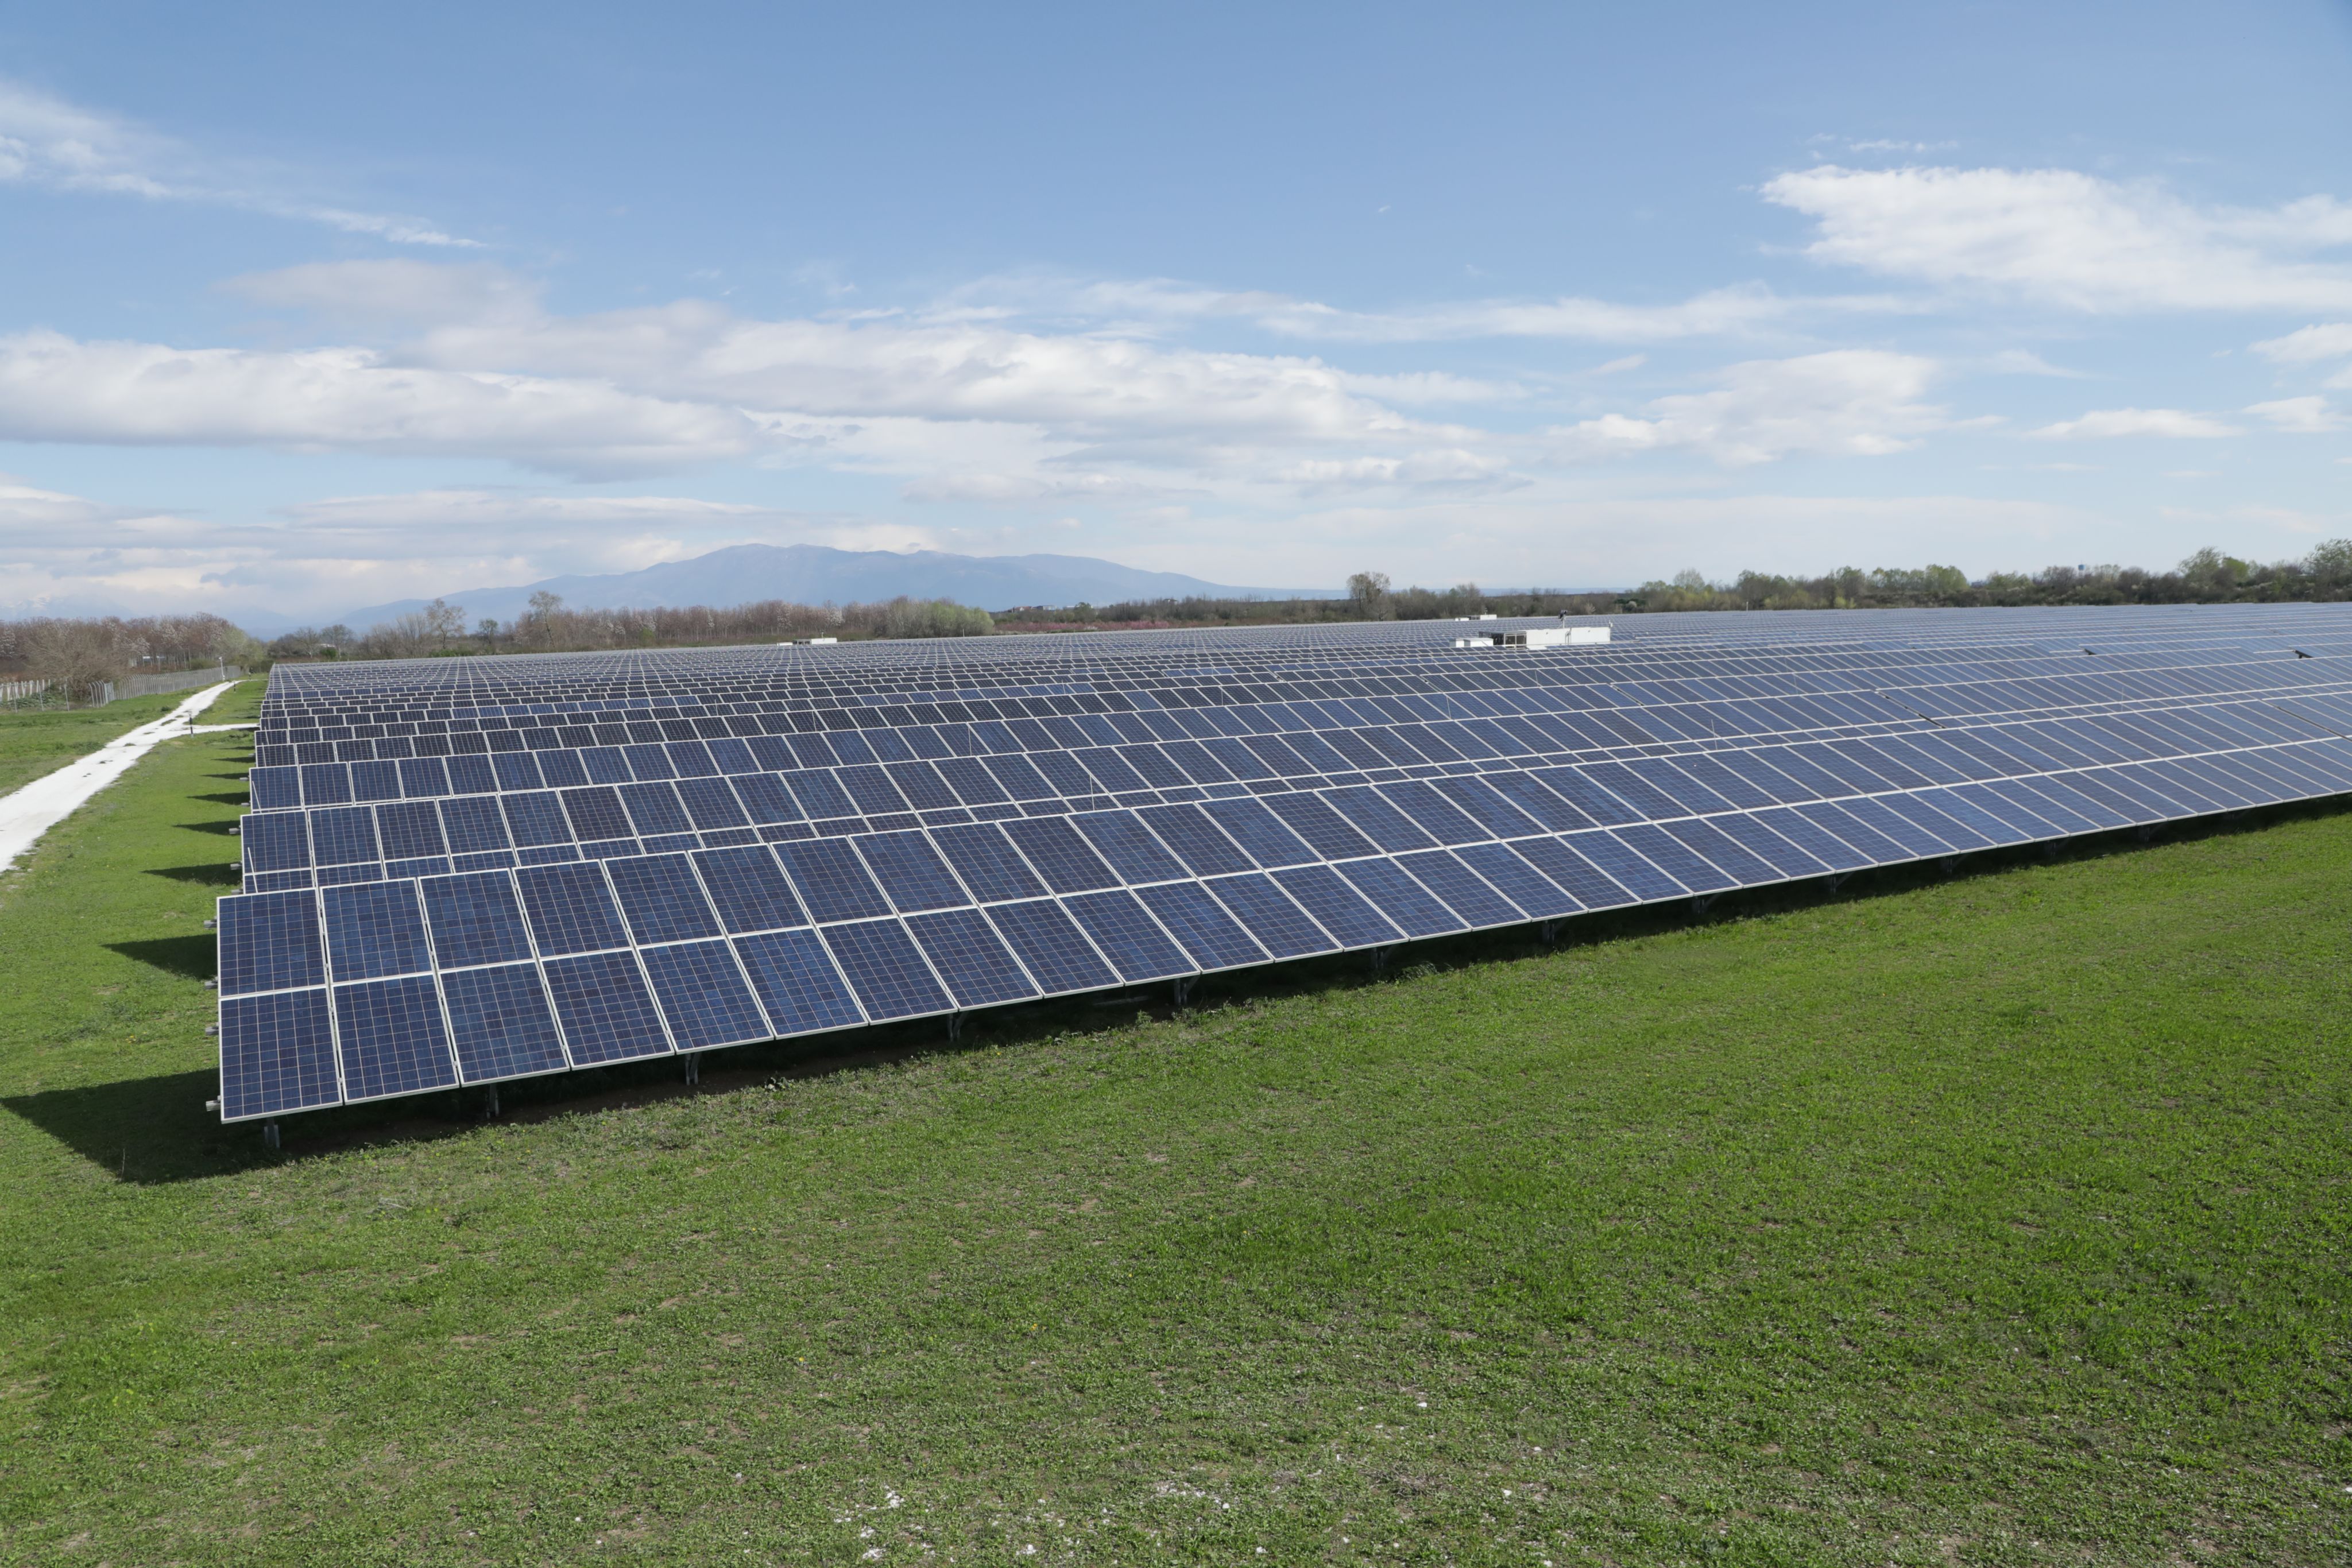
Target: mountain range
(817,574)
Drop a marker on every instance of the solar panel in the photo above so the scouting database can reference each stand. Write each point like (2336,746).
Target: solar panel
(467,870)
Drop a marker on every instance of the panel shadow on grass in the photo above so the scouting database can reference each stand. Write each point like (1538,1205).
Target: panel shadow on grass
(227,797)
(143,1130)
(208,876)
(195,955)
(225,826)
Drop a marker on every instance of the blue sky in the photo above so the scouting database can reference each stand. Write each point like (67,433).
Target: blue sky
(304,307)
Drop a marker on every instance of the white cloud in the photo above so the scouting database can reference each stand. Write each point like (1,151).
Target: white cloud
(394,292)
(2101,423)
(1852,402)
(46,142)
(54,388)
(2301,415)
(2072,239)
(2328,341)
(1153,306)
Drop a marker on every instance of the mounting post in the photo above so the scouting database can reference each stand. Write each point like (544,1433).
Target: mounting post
(1378,960)
(694,1067)
(1949,864)
(1837,879)
(269,1135)
(2145,832)
(1548,930)
(955,1028)
(1699,904)
(1183,989)
(490,1103)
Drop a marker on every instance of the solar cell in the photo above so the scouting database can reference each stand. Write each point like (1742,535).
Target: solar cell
(269,942)
(501,1024)
(797,982)
(968,955)
(704,996)
(662,898)
(570,908)
(1136,944)
(886,970)
(607,1013)
(278,1054)
(394,1038)
(374,929)
(832,882)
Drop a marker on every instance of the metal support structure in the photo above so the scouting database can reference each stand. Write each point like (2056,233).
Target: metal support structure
(1183,989)
(2145,832)
(269,1135)
(955,1028)
(1837,879)
(1699,904)
(1548,930)
(1378,958)
(693,1066)
(1949,864)
(490,1103)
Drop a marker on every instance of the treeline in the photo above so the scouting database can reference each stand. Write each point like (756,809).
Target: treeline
(549,626)
(1369,597)
(2209,577)
(78,654)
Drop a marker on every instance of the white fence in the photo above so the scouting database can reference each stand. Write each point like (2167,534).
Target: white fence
(14,691)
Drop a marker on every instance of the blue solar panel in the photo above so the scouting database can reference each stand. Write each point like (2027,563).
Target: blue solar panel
(1128,936)
(704,995)
(971,957)
(343,836)
(474,825)
(911,872)
(1058,854)
(1406,903)
(474,919)
(1674,857)
(987,862)
(535,820)
(1281,928)
(1200,843)
(501,1024)
(607,1013)
(1536,894)
(394,1038)
(1051,946)
(662,898)
(278,1054)
(886,970)
(1624,865)
(1325,830)
(1378,819)
(269,942)
(748,890)
(595,813)
(1338,907)
(1721,852)
(797,982)
(375,929)
(1200,924)
(712,803)
(1120,837)
(1584,882)
(831,880)
(1460,889)
(569,909)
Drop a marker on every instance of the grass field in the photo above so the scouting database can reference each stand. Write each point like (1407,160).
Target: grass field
(34,741)
(1998,1219)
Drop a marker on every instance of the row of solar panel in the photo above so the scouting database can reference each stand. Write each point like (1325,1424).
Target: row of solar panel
(542,824)
(559,967)
(1673,708)
(903,771)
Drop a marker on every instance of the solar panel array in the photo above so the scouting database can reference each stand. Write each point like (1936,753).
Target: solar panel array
(465,871)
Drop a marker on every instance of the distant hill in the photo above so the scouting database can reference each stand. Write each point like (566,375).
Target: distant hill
(816,574)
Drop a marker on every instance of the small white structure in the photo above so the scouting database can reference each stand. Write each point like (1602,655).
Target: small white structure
(1540,637)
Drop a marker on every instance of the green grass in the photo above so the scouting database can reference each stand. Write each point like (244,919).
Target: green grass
(1994,1220)
(34,741)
